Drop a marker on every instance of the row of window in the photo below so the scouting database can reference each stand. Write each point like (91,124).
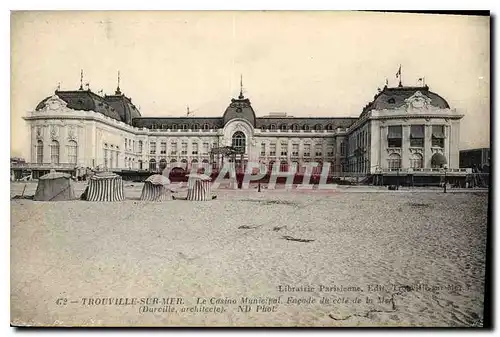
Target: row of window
(206,126)
(297,127)
(417,136)
(306,150)
(183,126)
(174,148)
(71,151)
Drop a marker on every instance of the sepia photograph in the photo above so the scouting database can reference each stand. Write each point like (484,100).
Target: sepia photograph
(249,169)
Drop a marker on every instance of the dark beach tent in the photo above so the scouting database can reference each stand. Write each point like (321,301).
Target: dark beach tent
(199,187)
(104,186)
(54,186)
(156,188)
(438,160)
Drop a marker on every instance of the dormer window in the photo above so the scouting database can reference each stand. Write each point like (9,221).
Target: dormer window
(174,126)
(318,127)
(184,126)
(295,127)
(196,127)
(238,109)
(391,100)
(306,127)
(206,126)
(272,127)
(283,127)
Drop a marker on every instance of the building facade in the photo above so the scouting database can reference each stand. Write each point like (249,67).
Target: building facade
(402,128)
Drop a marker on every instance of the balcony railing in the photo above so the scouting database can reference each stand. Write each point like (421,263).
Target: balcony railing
(42,165)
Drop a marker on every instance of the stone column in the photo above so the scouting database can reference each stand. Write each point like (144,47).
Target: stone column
(427,146)
(405,147)
(447,139)
(46,144)
(383,146)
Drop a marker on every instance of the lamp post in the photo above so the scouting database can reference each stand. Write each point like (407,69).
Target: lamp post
(444,187)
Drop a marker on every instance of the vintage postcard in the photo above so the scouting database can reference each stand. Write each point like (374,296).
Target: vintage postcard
(249,169)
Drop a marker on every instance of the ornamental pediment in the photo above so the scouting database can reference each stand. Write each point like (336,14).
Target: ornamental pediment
(418,101)
(54,103)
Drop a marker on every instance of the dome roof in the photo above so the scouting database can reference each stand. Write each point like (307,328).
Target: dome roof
(84,100)
(239,108)
(392,98)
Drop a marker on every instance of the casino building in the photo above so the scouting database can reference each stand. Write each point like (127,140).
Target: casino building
(403,130)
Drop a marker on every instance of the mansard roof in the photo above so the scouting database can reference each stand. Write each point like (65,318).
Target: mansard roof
(168,122)
(393,98)
(123,105)
(84,100)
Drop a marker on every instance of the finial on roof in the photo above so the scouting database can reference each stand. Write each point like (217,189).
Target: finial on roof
(241,87)
(58,86)
(118,92)
(81,79)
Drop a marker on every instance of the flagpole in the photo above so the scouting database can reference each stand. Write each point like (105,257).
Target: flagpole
(400,76)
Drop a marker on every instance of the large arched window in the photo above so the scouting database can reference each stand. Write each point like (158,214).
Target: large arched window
(416,161)
(152,164)
(54,152)
(239,141)
(194,165)
(39,152)
(163,164)
(394,162)
(72,152)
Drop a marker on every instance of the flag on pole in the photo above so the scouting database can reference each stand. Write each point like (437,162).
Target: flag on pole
(398,74)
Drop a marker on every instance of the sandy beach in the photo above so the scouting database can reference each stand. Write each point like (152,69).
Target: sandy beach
(317,258)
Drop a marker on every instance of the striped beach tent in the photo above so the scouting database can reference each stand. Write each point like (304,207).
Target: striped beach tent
(156,188)
(54,186)
(105,186)
(199,187)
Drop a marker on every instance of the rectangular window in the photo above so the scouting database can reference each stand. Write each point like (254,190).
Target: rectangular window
(307,150)
(205,148)
(263,149)
(163,148)
(105,158)
(329,150)
(173,149)
(438,136)
(140,147)
(395,136)
(272,150)
(194,149)
(284,149)
(72,152)
(152,148)
(295,150)
(417,135)
(318,150)
(54,152)
(39,152)
(342,149)
(184,149)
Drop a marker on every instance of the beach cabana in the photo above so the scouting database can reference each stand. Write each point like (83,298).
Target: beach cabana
(199,187)
(54,186)
(105,186)
(156,188)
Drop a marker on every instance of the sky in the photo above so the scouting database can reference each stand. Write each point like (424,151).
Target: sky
(304,63)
